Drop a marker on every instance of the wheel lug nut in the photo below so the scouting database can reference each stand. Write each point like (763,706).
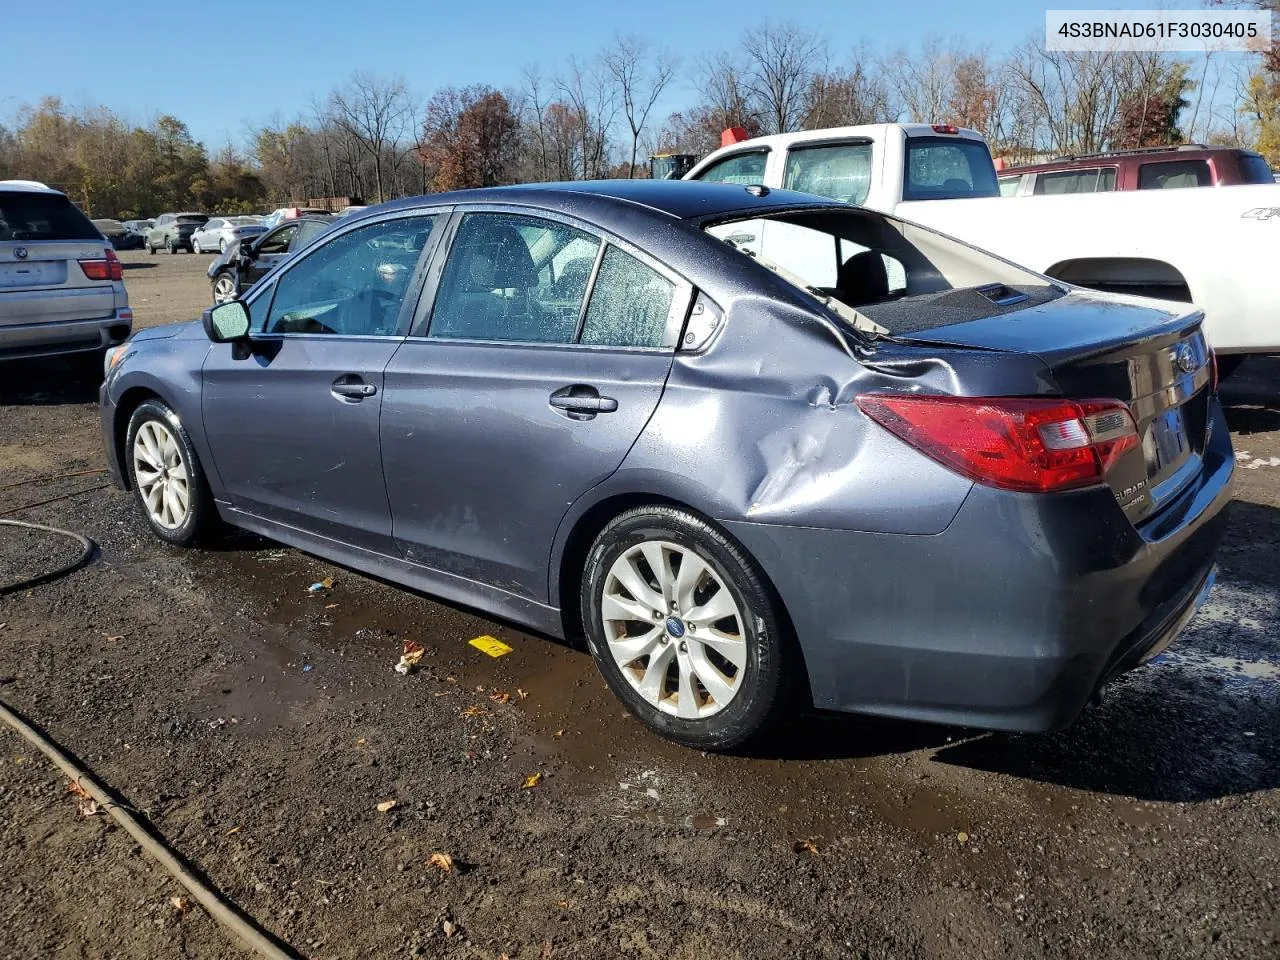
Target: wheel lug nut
(684,647)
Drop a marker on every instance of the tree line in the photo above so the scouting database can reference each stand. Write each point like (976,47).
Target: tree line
(373,138)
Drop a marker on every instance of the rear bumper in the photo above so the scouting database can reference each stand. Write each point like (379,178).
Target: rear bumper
(53,338)
(1011,618)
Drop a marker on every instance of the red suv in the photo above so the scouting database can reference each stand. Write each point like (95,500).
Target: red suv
(1149,168)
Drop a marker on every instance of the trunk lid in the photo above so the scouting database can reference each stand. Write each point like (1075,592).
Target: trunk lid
(1155,361)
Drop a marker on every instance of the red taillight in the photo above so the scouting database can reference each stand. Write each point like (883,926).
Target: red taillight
(945,128)
(1013,443)
(105,268)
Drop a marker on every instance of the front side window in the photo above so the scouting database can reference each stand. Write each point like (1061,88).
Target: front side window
(945,168)
(353,285)
(743,168)
(516,278)
(630,303)
(1087,180)
(278,242)
(836,171)
(1174,174)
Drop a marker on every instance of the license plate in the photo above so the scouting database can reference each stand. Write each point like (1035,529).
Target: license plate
(35,274)
(1168,439)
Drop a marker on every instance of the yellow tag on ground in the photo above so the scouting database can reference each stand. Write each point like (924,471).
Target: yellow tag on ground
(491,645)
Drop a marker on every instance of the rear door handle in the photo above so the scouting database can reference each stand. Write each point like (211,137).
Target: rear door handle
(582,401)
(352,388)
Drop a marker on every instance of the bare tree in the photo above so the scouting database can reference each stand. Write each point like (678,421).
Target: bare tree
(536,122)
(781,62)
(588,90)
(838,98)
(639,83)
(376,114)
(923,80)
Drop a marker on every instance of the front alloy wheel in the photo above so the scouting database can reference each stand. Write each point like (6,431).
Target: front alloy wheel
(168,483)
(224,288)
(195,245)
(686,629)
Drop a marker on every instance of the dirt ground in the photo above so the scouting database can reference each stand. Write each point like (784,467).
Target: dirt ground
(258,727)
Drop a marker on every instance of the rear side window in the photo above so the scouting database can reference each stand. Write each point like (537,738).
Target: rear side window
(1088,180)
(1254,169)
(43,216)
(1009,185)
(943,168)
(838,171)
(629,303)
(744,168)
(1174,174)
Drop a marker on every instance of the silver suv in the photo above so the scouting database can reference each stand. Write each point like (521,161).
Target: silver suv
(61,285)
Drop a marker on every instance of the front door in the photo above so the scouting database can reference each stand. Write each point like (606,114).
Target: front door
(292,421)
(545,355)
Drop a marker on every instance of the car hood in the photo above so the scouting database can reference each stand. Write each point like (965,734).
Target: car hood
(187,330)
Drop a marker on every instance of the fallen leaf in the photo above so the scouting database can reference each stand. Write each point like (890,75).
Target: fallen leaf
(331,606)
(77,791)
(441,861)
(531,781)
(490,645)
(387,805)
(473,711)
(558,734)
(500,697)
(962,837)
(449,928)
(180,904)
(362,741)
(116,638)
(89,808)
(807,845)
(521,694)
(233,831)
(546,950)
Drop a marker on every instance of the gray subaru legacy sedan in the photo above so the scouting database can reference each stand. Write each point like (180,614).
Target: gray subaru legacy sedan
(876,468)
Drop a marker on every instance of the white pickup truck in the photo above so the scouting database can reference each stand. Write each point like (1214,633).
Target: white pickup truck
(1216,247)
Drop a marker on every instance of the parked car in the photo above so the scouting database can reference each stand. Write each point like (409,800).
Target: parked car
(172,231)
(138,229)
(241,265)
(222,232)
(975,498)
(61,284)
(116,233)
(1149,168)
(291,213)
(1214,248)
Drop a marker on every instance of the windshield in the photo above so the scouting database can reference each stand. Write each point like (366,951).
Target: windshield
(946,168)
(881,273)
(42,216)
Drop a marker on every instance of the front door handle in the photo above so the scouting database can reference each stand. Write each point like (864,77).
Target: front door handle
(582,402)
(352,388)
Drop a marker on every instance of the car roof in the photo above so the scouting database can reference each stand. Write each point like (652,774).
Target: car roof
(1140,155)
(26,186)
(679,199)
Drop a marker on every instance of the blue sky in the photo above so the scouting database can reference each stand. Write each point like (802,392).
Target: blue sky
(212,63)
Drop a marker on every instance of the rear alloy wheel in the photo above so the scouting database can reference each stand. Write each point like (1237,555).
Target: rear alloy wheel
(170,247)
(224,288)
(222,245)
(150,249)
(685,629)
(168,483)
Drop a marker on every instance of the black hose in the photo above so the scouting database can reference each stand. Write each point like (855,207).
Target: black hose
(87,550)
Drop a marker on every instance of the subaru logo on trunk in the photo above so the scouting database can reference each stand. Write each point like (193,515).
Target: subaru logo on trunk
(1184,358)
(20,252)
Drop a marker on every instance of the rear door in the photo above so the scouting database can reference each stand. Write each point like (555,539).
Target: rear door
(292,421)
(540,362)
(43,238)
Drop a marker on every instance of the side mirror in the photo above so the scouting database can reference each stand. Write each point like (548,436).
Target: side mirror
(227,322)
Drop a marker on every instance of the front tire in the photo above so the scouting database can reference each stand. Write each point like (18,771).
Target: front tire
(195,245)
(170,247)
(168,482)
(224,288)
(150,249)
(685,629)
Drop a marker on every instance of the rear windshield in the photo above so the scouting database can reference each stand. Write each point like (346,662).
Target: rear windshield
(43,216)
(192,218)
(944,168)
(902,277)
(1254,169)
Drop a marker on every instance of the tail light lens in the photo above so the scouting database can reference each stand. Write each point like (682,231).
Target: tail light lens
(945,128)
(1014,443)
(106,267)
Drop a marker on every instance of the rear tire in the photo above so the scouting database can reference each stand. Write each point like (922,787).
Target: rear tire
(222,246)
(697,651)
(150,249)
(169,485)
